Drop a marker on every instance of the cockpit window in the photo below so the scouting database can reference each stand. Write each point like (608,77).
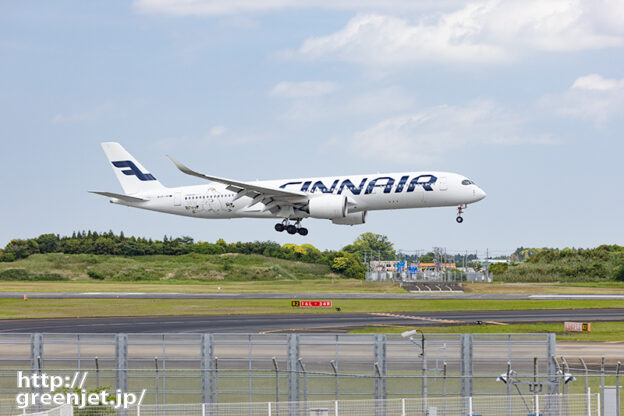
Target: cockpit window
(467,182)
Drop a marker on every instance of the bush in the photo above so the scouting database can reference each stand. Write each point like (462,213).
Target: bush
(7,257)
(95,275)
(14,274)
(619,274)
(498,268)
(47,277)
(21,274)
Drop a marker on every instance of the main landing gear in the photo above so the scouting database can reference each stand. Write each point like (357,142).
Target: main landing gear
(460,211)
(291,228)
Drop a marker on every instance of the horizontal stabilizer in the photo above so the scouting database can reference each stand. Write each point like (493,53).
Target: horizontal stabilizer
(119,196)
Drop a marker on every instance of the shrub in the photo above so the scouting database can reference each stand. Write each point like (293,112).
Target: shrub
(619,274)
(47,277)
(14,274)
(21,274)
(93,274)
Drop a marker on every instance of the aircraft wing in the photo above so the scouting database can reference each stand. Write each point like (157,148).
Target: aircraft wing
(271,197)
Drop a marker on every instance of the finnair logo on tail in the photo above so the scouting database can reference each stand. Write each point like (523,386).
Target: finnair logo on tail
(133,170)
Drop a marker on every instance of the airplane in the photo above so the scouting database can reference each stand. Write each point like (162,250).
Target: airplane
(344,200)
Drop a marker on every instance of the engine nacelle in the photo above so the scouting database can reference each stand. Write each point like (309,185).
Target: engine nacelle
(328,207)
(353,218)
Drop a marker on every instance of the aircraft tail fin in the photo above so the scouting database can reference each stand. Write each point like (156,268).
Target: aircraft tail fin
(134,178)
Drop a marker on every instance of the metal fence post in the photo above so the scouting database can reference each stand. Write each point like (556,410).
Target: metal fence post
(121,359)
(588,404)
(444,389)
(508,386)
(424,379)
(305,382)
(277,394)
(566,388)
(602,381)
(207,369)
(335,370)
(156,379)
(36,352)
(97,373)
(552,353)
(293,376)
(537,406)
(380,359)
(617,387)
(381,370)
(36,359)
(466,364)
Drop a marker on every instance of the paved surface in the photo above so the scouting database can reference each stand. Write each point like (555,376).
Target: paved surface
(331,296)
(298,322)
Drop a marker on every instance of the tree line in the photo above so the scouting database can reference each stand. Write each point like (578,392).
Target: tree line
(349,261)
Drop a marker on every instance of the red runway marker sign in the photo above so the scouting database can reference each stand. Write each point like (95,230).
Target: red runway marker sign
(577,326)
(311,303)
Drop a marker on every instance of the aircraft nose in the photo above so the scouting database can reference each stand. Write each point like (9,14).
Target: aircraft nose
(480,194)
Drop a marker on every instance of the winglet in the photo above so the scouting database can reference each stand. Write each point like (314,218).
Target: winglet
(186,169)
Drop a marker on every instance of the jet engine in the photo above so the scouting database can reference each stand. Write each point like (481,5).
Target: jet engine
(353,218)
(328,207)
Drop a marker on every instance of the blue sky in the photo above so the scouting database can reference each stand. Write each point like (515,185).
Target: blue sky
(524,97)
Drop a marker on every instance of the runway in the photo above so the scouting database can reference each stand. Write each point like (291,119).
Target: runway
(299,322)
(328,296)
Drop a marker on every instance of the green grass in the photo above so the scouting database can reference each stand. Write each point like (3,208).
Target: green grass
(609,287)
(49,308)
(190,286)
(193,267)
(600,331)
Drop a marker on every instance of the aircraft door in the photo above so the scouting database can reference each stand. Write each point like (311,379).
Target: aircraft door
(177,199)
(443,184)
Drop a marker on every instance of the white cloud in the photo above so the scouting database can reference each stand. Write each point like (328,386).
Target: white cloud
(217,131)
(591,97)
(595,82)
(490,31)
(303,89)
(423,137)
(220,7)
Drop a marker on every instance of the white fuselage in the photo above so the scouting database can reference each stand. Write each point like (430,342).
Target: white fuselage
(364,192)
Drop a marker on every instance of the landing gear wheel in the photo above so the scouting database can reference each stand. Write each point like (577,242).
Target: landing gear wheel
(460,211)
(291,229)
(303,231)
(279,227)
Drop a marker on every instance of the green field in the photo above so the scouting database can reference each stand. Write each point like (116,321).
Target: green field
(230,272)
(189,267)
(50,308)
(600,331)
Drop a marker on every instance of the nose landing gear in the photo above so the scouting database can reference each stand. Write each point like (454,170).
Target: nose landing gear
(460,211)
(291,228)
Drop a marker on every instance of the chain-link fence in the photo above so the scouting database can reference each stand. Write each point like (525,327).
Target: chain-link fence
(222,368)
(545,405)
